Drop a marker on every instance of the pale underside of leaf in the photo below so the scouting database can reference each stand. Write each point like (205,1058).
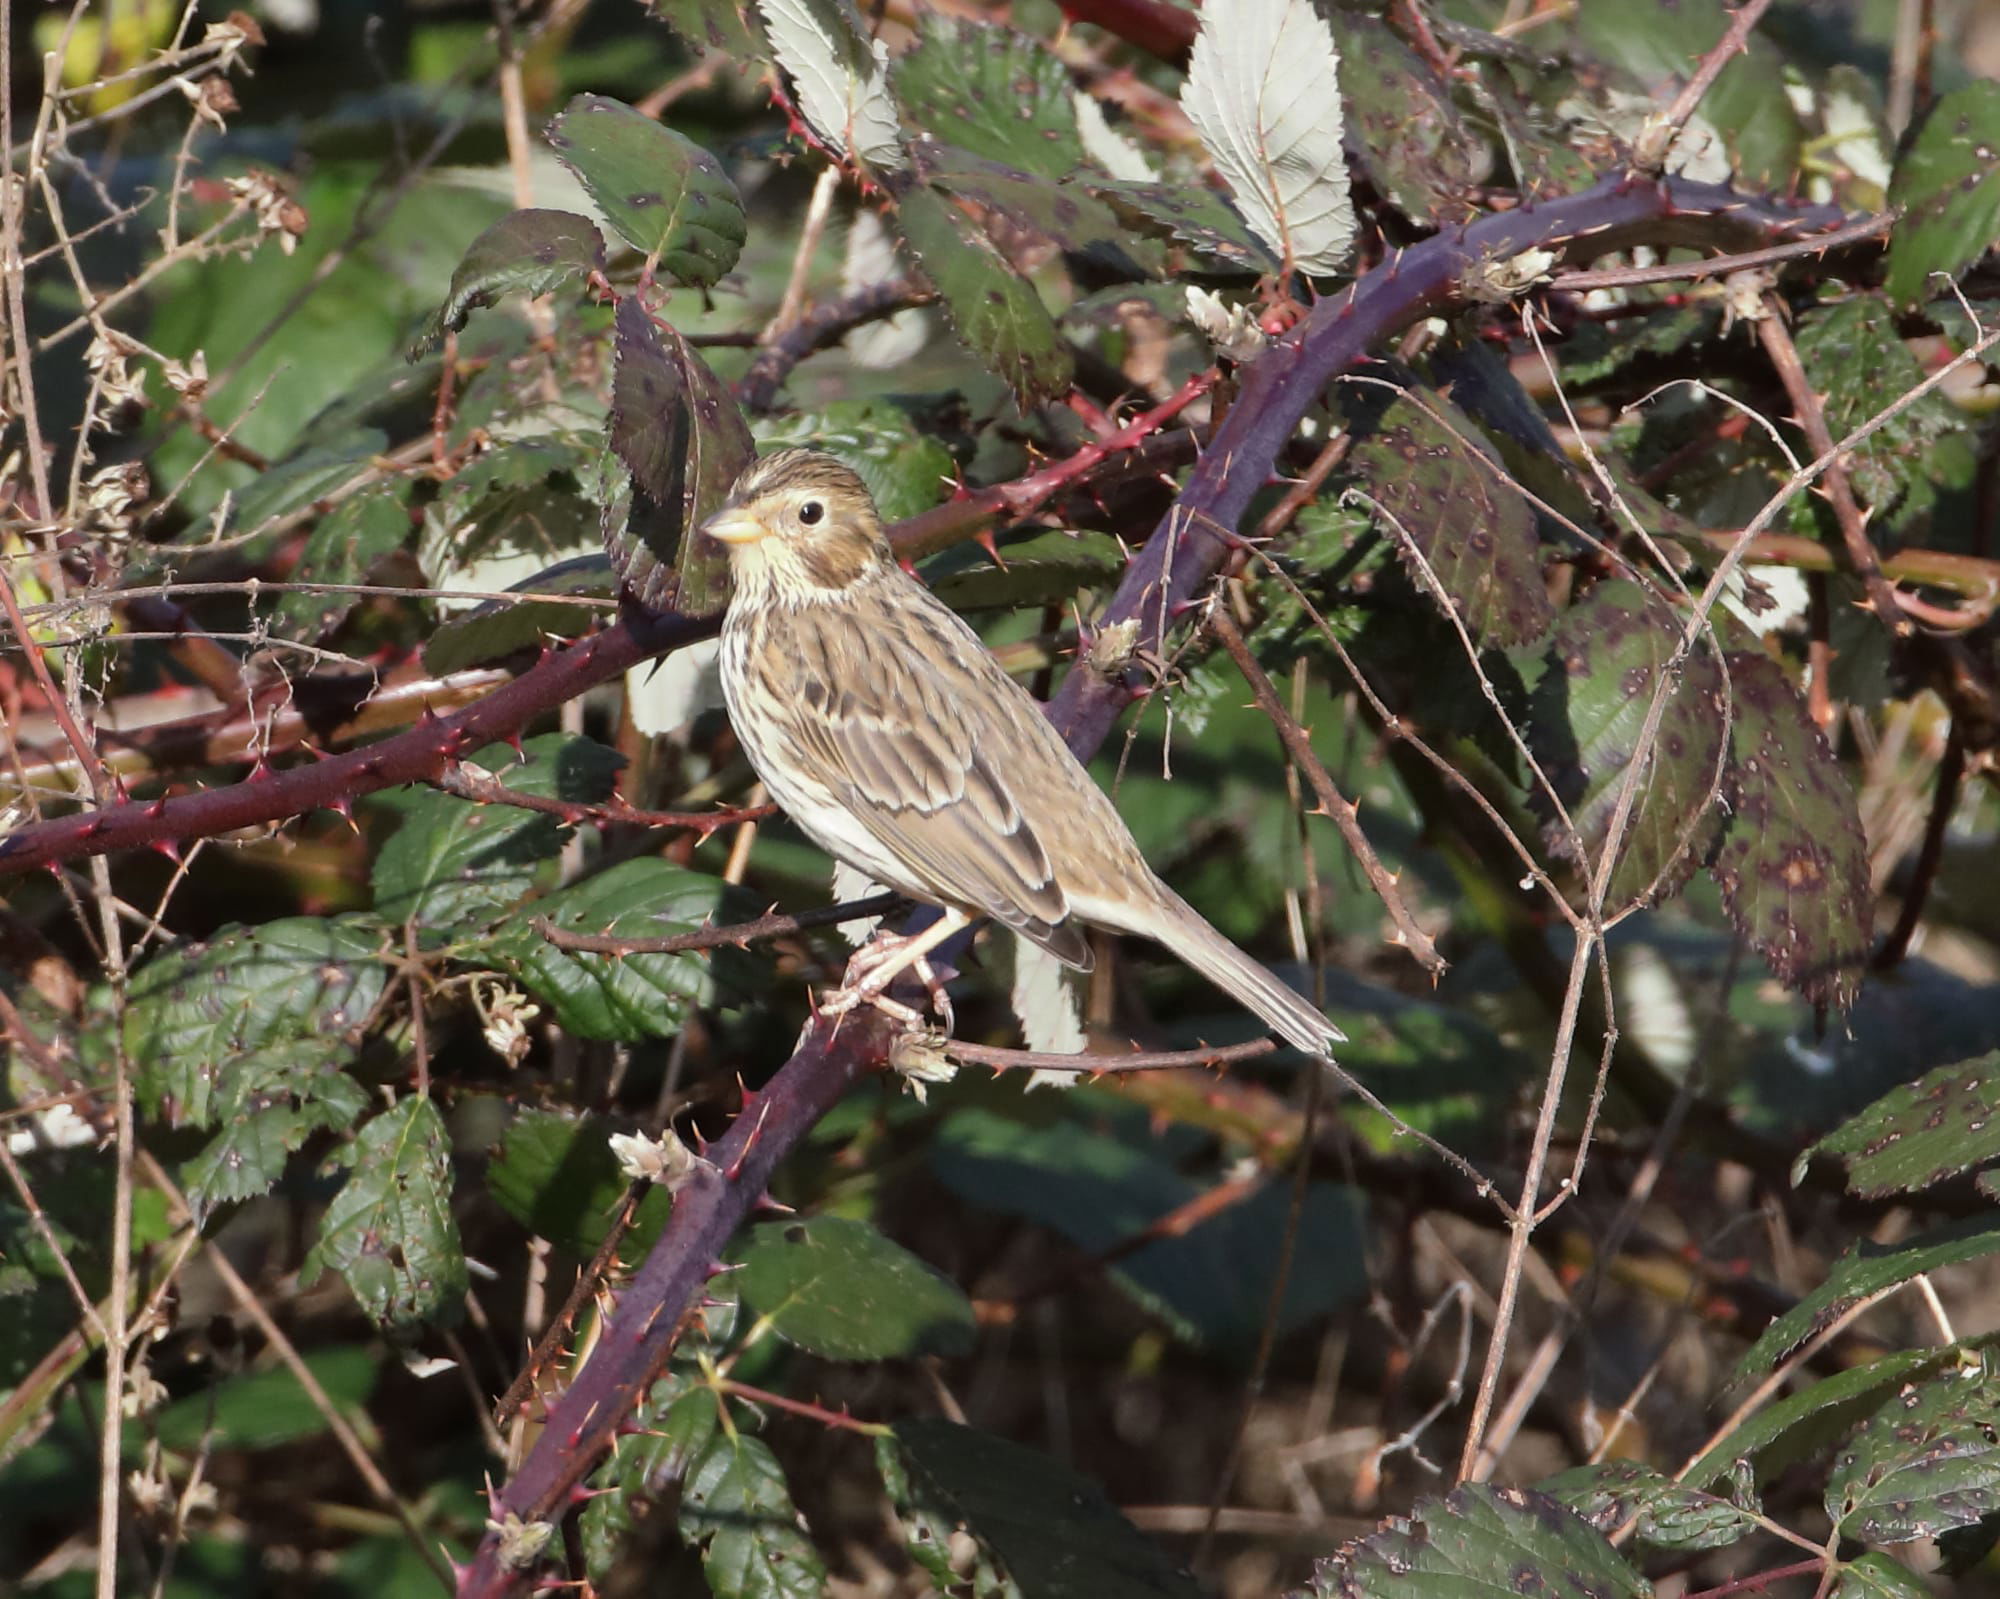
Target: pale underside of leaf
(841,77)
(1261,91)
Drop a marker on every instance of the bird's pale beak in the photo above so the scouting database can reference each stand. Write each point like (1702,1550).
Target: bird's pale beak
(734,525)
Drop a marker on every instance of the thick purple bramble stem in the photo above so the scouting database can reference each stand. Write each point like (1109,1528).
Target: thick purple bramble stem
(1282,384)
(414,756)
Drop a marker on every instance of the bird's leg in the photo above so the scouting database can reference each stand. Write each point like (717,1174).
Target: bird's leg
(886,958)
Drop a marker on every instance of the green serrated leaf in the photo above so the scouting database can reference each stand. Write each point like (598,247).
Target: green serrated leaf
(670,1424)
(389,1231)
(1793,867)
(532,498)
(995,311)
(1194,215)
(837,1287)
(1465,519)
(267,1103)
(906,471)
(665,195)
(993,92)
(531,251)
(1405,127)
(344,547)
(625,997)
(1868,1268)
(1670,1516)
(454,864)
(557,1176)
(1860,366)
(1479,1539)
(1926,1462)
(683,439)
(1053,1530)
(196,1009)
(737,1508)
(1039,570)
(1918,1134)
(1613,650)
(1948,183)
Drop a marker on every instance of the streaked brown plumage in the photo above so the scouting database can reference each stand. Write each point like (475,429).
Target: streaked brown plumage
(880,723)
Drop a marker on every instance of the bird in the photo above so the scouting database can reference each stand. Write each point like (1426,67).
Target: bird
(879,721)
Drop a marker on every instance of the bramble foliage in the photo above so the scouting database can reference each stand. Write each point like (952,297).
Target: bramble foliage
(1579,421)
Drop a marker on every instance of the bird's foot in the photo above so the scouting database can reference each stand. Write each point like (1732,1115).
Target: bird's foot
(879,963)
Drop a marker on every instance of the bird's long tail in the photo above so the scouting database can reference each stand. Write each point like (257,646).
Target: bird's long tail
(1182,929)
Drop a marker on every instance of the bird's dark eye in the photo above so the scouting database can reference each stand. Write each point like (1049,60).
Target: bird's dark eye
(810,512)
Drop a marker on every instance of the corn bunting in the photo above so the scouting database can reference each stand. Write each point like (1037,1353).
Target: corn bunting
(878,720)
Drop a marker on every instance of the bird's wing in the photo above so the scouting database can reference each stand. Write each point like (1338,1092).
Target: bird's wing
(930,745)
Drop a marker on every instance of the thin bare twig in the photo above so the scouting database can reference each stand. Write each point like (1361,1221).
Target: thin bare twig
(1096,1063)
(1660,133)
(1723,265)
(1341,812)
(483,788)
(737,935)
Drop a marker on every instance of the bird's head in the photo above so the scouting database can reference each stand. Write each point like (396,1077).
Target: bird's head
(801,524)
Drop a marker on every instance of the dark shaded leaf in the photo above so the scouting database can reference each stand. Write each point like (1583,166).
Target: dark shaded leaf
(1401,121)
(454,864)
(532,251)
(1793,868)
(1612,652)
(1196,216)
(1671,1516)
(1859,365)
(995,311)
(345,547)
(993,92)
(1055,1533)
(1948,182)
(684,441)
(1868,1268)
(1213,1282)
(196,1009)
(1920,1133)
(557,1176)
(609,996)
(836,1287)
(495,629)
(1794,1429)
(266,1409)
(296,482)
(267,1103)
(931,1526)
(389,1231)
(536,497)
(1479,1539)
(1466,520)
(664,194)
(906,471)
(1926,1462)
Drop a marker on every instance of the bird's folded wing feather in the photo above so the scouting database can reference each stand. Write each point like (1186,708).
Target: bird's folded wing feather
(910,726)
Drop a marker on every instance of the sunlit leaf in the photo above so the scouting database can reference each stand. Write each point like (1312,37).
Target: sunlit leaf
(268,1102)
(343,548)
(1261,92)
(1669,1515)
(1407,131)
(1918,1134)
(1926,1462)
(840,76)
(837,1287)
(992,92)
